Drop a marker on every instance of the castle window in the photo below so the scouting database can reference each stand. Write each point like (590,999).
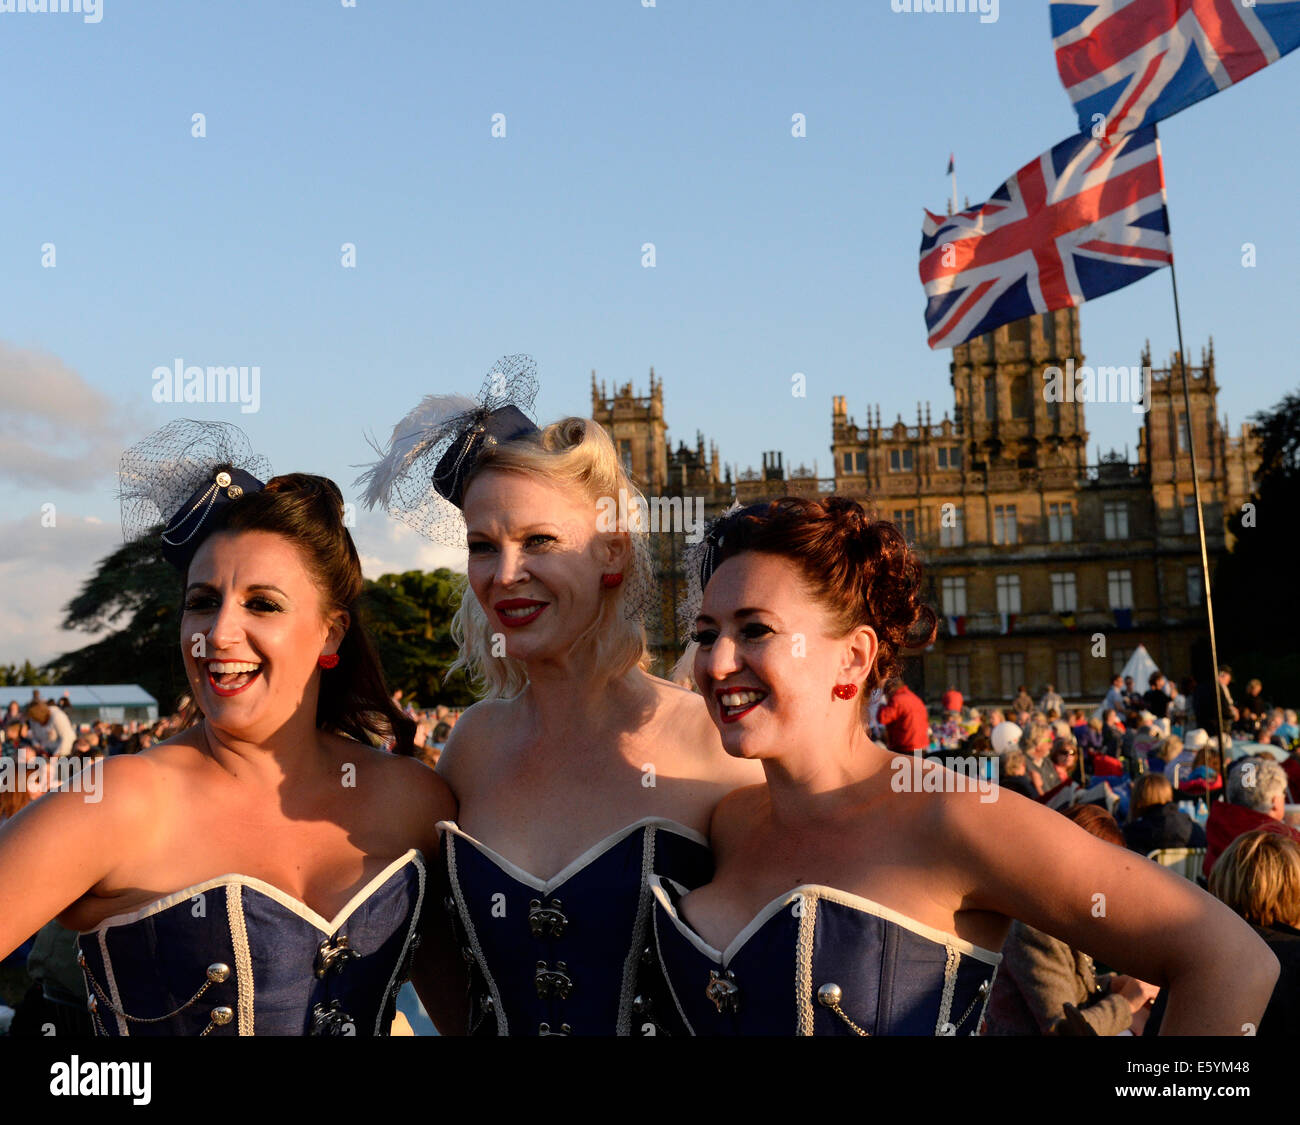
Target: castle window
(958,668)
(954,597)
(1004,525)
(859,462)
(1065,597)
(900,460)
(1119,660)
(952,526)
(905,519)
(949,457)
(1069,677)
(1020,397)
(990,398)
(625,454)
(1012,667)
(1115,517)
(1008,593)
(1195,588)
(1184,434)
(1119,588)
(1060,523)
(1189,514)
(848,462)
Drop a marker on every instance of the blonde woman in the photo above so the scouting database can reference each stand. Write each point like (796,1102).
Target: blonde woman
(1154,821)
(579,773)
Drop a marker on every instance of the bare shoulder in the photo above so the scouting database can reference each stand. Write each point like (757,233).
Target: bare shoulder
(474,741)
(734,815)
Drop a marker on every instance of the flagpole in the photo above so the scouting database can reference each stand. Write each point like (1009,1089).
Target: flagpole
(1200,515)
(952,165)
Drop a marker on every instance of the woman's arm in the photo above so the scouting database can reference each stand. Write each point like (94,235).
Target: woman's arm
(1120,907)
(64,843)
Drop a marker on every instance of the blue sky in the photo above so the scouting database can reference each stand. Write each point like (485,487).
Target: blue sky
(624,125)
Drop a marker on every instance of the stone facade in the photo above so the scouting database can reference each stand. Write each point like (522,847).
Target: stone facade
(1044,567)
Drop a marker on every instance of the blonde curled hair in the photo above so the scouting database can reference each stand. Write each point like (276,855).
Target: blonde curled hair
(576,455)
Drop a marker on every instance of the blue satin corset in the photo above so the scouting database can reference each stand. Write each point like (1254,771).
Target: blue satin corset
(564,956)
(237,956)
(818,961)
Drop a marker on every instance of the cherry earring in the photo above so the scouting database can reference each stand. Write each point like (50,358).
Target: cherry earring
(328,660)
(844,691)
(609,581)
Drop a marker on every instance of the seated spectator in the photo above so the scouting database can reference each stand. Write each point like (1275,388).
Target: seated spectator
(1014,775)
(1154,821)
(1258,875)
(1290,729)
(1036,742)
(1205,775)
(51,729)
(1253,706)
(1112,733)
(1065,757)
(1255,797)
(1174,758)
(1043,987)
(1023,700)
(952,699)
(950,732)
(1051,701)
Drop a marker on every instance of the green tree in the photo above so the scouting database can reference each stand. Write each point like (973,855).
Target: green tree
(134,596)
(1252,584)
(409,617)
(25,673)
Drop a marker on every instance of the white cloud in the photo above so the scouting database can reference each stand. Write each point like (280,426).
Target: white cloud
(59,430)
(389,547)
(41,570)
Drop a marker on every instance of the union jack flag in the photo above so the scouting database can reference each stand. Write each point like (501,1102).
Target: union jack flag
(1084,219)
(1136,62)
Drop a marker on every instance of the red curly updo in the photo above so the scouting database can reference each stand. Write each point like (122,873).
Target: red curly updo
(859,570)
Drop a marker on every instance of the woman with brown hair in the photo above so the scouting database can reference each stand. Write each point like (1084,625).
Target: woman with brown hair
(271,832)
(1154,821)
(880,895)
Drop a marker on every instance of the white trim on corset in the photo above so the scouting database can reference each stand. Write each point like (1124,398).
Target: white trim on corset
(663,968)
(829,894)
(498,1009)
(326,925)
(546,886)
(243,958)
(406,945)
(122,1028)
(623,1024)
(803,975)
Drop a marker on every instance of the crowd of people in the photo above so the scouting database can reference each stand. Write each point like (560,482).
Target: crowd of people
(1144,771)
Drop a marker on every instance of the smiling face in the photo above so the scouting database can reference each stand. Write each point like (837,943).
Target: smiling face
(769,658)
(253,601)
(536,560)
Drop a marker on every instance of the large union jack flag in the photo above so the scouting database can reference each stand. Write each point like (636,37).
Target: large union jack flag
(1082,220)
(1136,62)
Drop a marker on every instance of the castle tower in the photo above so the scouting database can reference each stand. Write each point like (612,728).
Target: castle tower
(998,380)
(636,425)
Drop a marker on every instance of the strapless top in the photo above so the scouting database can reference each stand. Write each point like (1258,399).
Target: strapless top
(564,956)
(818,961)
(236,956)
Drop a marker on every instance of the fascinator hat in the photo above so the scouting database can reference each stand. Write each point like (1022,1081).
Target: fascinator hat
(420,478)
(185,477)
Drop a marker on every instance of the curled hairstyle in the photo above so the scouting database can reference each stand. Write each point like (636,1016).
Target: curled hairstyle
(576,455)
(859,570)
(1258,875)
(308,511)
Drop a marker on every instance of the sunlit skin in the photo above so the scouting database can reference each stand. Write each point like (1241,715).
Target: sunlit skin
(255,789)
(544,776)
(829,815)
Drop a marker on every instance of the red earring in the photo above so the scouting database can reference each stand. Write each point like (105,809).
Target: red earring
(328,660)
(609,581)
(844,691)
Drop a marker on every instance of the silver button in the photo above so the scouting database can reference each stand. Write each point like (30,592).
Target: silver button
(222,1015)
(830,995)
(218,972)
